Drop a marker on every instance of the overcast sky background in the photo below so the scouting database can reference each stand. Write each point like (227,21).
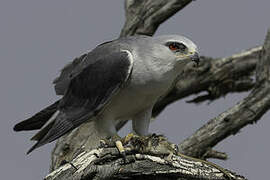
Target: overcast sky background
(37,38)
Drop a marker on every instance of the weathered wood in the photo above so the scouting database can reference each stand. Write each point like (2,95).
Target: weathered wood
(247,111)
(150,157)
(145,16)
(139,166)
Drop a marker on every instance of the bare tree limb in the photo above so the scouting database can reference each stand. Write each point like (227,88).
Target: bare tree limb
(144,163)
(145,16)
(139,166)
(247,111)
(210,153)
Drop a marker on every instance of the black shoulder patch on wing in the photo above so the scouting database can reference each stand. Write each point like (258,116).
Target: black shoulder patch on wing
(96,83)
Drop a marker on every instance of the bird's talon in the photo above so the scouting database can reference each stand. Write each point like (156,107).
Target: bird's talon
(103,143)
(121,150)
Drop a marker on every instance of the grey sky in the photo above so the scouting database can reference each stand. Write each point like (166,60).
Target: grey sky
(37,38)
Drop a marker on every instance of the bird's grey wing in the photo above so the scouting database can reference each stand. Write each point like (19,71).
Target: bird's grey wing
(87,94)
(61,83)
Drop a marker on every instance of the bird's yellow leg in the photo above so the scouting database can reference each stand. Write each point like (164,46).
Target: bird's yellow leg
(120,147)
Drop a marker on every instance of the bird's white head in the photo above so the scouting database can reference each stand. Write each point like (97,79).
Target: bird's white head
(176,47)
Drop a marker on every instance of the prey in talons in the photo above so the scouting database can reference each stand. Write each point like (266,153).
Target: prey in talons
(153,144)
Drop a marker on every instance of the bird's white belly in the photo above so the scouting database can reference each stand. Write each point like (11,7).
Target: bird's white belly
(126,104)
(135,98)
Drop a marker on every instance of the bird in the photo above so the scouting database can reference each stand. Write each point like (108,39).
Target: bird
(118,80)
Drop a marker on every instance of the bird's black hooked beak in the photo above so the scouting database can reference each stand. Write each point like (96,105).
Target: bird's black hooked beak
(196,58)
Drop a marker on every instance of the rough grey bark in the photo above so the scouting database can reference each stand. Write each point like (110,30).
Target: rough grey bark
(216,77)
(247,111)
(152,158)
(91,165)
(145,16)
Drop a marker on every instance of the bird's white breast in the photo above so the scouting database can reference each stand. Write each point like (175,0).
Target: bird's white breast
(147,83)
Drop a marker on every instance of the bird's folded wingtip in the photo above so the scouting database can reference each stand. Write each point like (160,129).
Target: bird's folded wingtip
(17,127)
(32,148)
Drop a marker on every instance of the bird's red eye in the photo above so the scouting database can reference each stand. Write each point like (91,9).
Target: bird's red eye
(173,47)
(176,46)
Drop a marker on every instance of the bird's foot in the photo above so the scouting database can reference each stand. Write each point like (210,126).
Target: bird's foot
(115,141)
(109,142)
(152,144)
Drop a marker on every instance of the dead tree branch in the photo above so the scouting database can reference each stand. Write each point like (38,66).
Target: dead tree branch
(91,165)
(247,111)
(144,163)
(145,16)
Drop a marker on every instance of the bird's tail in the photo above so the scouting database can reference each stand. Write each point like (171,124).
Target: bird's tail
(58,125)
(52,123)
(38,120)
(41,136)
